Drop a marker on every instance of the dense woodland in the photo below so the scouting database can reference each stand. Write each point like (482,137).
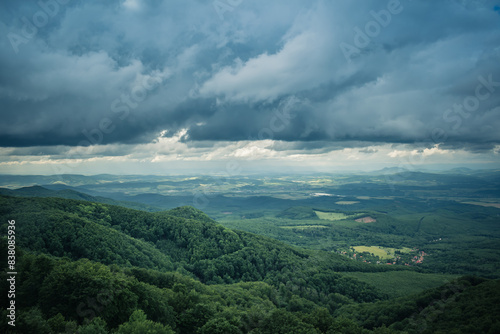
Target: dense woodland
(86,267)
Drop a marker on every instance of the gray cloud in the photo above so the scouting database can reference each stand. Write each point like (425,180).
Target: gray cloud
(83,78)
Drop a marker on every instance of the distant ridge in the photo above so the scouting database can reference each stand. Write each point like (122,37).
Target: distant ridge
(39,191)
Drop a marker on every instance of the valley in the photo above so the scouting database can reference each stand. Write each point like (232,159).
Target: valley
(333,253)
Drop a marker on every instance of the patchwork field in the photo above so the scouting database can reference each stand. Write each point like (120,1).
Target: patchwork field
(333,216)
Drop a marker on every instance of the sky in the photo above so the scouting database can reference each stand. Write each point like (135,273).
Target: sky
(240,86)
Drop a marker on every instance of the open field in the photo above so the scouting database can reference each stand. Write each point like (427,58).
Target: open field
(333,216)
(382,252)
(346,202)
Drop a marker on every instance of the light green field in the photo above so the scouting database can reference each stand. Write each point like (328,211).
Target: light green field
(315,181)
(401,283)
(486,204)
(382,252)
(346,202)
(375,197)
(331,215)
(291,196)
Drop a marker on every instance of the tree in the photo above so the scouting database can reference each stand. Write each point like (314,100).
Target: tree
(344,326)
(283,322)
(219,326)
(139,324)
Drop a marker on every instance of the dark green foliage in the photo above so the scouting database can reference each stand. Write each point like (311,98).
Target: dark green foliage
(209,251)
(77,230)
(469,304)
(282,322)
(189,212)
(345,326)
(473,309)
(219,326)
(32,321)
(90,289)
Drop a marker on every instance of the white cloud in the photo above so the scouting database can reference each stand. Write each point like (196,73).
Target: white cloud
(308,49)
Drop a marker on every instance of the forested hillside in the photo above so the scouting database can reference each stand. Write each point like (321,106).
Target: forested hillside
(93,268)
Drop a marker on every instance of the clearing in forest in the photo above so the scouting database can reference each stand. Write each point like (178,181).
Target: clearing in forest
(331,215)
(382,252)
(366,220)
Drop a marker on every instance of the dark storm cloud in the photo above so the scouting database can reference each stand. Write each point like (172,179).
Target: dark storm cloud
(320,147)
(470,147)
(124,71)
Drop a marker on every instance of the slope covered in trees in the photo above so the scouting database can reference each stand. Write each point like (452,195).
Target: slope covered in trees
(92,268)
(168,240)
